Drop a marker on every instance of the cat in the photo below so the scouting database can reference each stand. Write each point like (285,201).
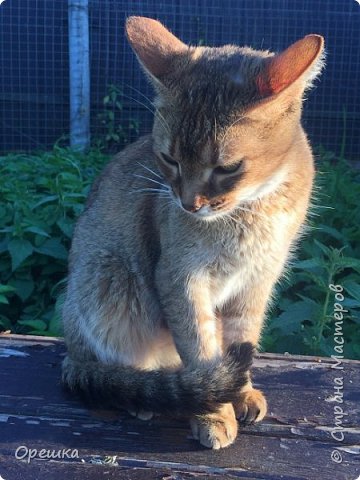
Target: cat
(187,230)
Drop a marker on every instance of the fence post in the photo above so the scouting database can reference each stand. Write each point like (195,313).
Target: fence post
(79,74)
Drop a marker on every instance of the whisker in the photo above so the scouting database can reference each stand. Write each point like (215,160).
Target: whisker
(228,128)
(154,111)
(150,180)
(138,101)
(323,206)
(152,190)
(313,214)
(156,194)
(149,169)
(169,203)
(164,122)
(140,93)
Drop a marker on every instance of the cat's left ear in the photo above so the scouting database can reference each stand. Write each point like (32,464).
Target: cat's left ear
(155,47)
(297,66)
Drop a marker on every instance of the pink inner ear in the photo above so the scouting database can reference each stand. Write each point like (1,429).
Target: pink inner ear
(153,44)
(284,69)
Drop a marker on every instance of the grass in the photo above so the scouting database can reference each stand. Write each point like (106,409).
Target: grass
(42,196)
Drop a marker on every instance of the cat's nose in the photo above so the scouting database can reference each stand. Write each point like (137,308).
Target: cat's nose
(191,207)
(193,202)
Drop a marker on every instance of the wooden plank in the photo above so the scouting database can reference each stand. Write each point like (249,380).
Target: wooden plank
(294,442)
(15,470)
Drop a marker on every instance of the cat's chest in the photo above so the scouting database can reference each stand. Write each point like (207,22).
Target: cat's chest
(228,276)
(242,261)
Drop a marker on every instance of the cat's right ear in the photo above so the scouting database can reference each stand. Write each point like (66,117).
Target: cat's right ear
(298,64)
(154,45)
(284,77)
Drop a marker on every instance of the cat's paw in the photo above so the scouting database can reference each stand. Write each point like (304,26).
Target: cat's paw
(141,414)
(216,430)
(251,407)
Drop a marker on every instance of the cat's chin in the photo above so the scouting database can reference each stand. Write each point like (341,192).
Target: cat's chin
(207,214)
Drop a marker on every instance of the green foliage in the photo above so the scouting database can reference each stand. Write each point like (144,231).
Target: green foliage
(42,196)
(113,132)
(303,319)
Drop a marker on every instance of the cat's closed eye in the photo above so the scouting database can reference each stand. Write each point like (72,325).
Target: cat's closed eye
(229,169)
(168,160)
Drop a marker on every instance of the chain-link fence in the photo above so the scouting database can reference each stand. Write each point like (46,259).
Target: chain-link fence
(34,81)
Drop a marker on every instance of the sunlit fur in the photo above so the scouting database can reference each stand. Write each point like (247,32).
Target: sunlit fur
(175,259)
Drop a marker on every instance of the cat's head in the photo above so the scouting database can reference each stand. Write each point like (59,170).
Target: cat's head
(226,117)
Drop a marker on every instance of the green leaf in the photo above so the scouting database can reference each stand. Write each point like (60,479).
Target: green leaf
(310,264)
(5,323)
(4,245)
(349,262)
(290,320)
(326,250)
(55,326)
(38,325)
(332,231)
(46,199)
(66,226)
(317,280)
(53,248)
(9,229)
(24,287)
(350,303)
(19,249)
(6,288)
(37,230)
(75,195)
(290,343)
(353,289)
(3,299)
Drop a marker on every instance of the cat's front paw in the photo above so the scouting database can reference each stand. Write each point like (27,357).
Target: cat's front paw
(216,430)
(251,407)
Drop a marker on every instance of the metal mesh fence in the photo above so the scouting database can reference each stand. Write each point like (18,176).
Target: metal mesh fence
(34,74)
(34,62)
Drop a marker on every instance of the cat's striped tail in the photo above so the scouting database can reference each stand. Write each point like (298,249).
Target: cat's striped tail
(187,391)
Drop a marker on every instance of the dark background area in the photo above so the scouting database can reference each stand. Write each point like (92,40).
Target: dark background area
(34,92)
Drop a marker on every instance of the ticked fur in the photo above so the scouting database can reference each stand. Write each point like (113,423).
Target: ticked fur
(187,230)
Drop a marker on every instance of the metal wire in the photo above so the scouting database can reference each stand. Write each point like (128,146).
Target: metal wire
(34,91)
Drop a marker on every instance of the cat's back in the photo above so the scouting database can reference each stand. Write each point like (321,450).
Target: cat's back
(118,176)
(116,203)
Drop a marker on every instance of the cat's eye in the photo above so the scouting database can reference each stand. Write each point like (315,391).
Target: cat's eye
(228,169)
(168,160)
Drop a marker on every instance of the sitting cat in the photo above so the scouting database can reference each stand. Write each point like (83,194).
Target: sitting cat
(186,232)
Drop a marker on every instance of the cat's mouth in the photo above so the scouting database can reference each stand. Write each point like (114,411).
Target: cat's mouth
(208,212)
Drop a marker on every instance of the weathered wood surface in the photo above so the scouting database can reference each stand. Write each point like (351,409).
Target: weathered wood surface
(294,442)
